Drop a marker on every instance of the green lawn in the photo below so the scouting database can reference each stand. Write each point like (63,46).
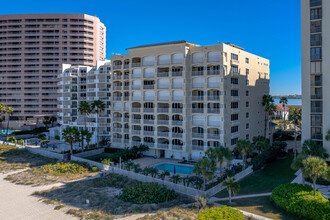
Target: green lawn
(98,157)
(265,180)
(260,206)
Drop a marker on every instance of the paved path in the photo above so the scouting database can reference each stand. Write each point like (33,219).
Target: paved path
(16,202)
(241,197)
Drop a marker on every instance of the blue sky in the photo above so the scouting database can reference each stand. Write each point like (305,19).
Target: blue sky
(269,28)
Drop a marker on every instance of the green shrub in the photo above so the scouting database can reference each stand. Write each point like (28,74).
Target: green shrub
(57,137)
(224,212)
(142,193)
(94,169)
(280,135)
(300,201)
(64,168)
(106,161)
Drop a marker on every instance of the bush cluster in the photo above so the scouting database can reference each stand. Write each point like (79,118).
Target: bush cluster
(224,212)
(143,193)
(280,135)
(125,154)
(63,168)
(34,131)
(300,201)
(269,155)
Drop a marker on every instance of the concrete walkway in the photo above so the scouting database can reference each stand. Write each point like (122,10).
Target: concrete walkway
(17,202)
(214,199)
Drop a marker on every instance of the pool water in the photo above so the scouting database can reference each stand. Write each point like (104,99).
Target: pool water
(178,168)
(5,131)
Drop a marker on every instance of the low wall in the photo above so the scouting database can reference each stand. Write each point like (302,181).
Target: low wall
(46,153)
(90,153)
(91,163)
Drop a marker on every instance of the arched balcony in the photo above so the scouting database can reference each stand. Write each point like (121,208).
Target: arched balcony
(163,131)
(177,144)
(197,95)
(213,133)
(197,132)
(177,132)
(117,64)
(198,145)
(136,129)
(163,108)
(136,107)
(136,140)
(177,120)
(163,119)
(163,143)
(149,141)
(148,107)
(136,62)
(213,95)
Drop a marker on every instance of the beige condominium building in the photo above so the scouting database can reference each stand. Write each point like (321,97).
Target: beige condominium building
(32,50)
(315,55)
(180,98)
(85,83)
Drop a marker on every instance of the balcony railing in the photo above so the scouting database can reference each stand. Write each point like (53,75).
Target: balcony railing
(197,110)
(316,96)
(136,109)
(213,110)
(197,135)
(148,86)
(116,119)
(136,64)
(115,67)
(197,98)
(162,110)
(137,121)
(147,121)
(176,122)
(198,85)
(213,72)
(163,122)
(117,129)
(198,147)
(177,135)
(162,74)
(137,132)
(177,147)
(148,110)
(162,134)
(317,136)
(178,73)
(148,133)
(316,83)
(213,98)
(163,146)
(176,110)
(197,72)
(213,136)
(316,109)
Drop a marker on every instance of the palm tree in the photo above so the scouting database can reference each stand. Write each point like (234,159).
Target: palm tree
(8,111)
(83,134)
(46,122)
(266,101)
(243,147)
(84,109)
(2,110)
(270,109)
(314,167)
(312,148)
(297,164)
(98,106)
(70,136)
(163,174)
(219,154)
(232,187)
(295,118)
(53,120)
(88,137)
(284,102)
(206,168)
(175,179)
(260,143)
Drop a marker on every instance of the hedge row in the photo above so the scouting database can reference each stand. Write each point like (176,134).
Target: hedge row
(224,212)
(299,200)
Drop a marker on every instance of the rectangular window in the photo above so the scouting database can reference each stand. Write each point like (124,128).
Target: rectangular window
(247,115)
(316,53)
(247,60)
(314,3)
(316,106)
(234,117)
(247,93)
(234,69)
(234,105)
(247,137)
(234,141)
(316,13)
(234,56)
(234,81)
(234,92)
(247,71)
(247,104)
(247,126)
(316,26)
(316,40)
(234,129)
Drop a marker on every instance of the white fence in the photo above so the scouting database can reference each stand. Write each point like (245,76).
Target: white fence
(90,153)
(46,153)
(176,187)
(101,166)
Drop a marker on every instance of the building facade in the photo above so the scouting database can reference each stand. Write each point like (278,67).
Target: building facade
(85,83)
(32,50)
(180,98)
(315,55)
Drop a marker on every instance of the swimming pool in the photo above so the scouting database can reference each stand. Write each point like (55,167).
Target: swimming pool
(5,131)
(178,168)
